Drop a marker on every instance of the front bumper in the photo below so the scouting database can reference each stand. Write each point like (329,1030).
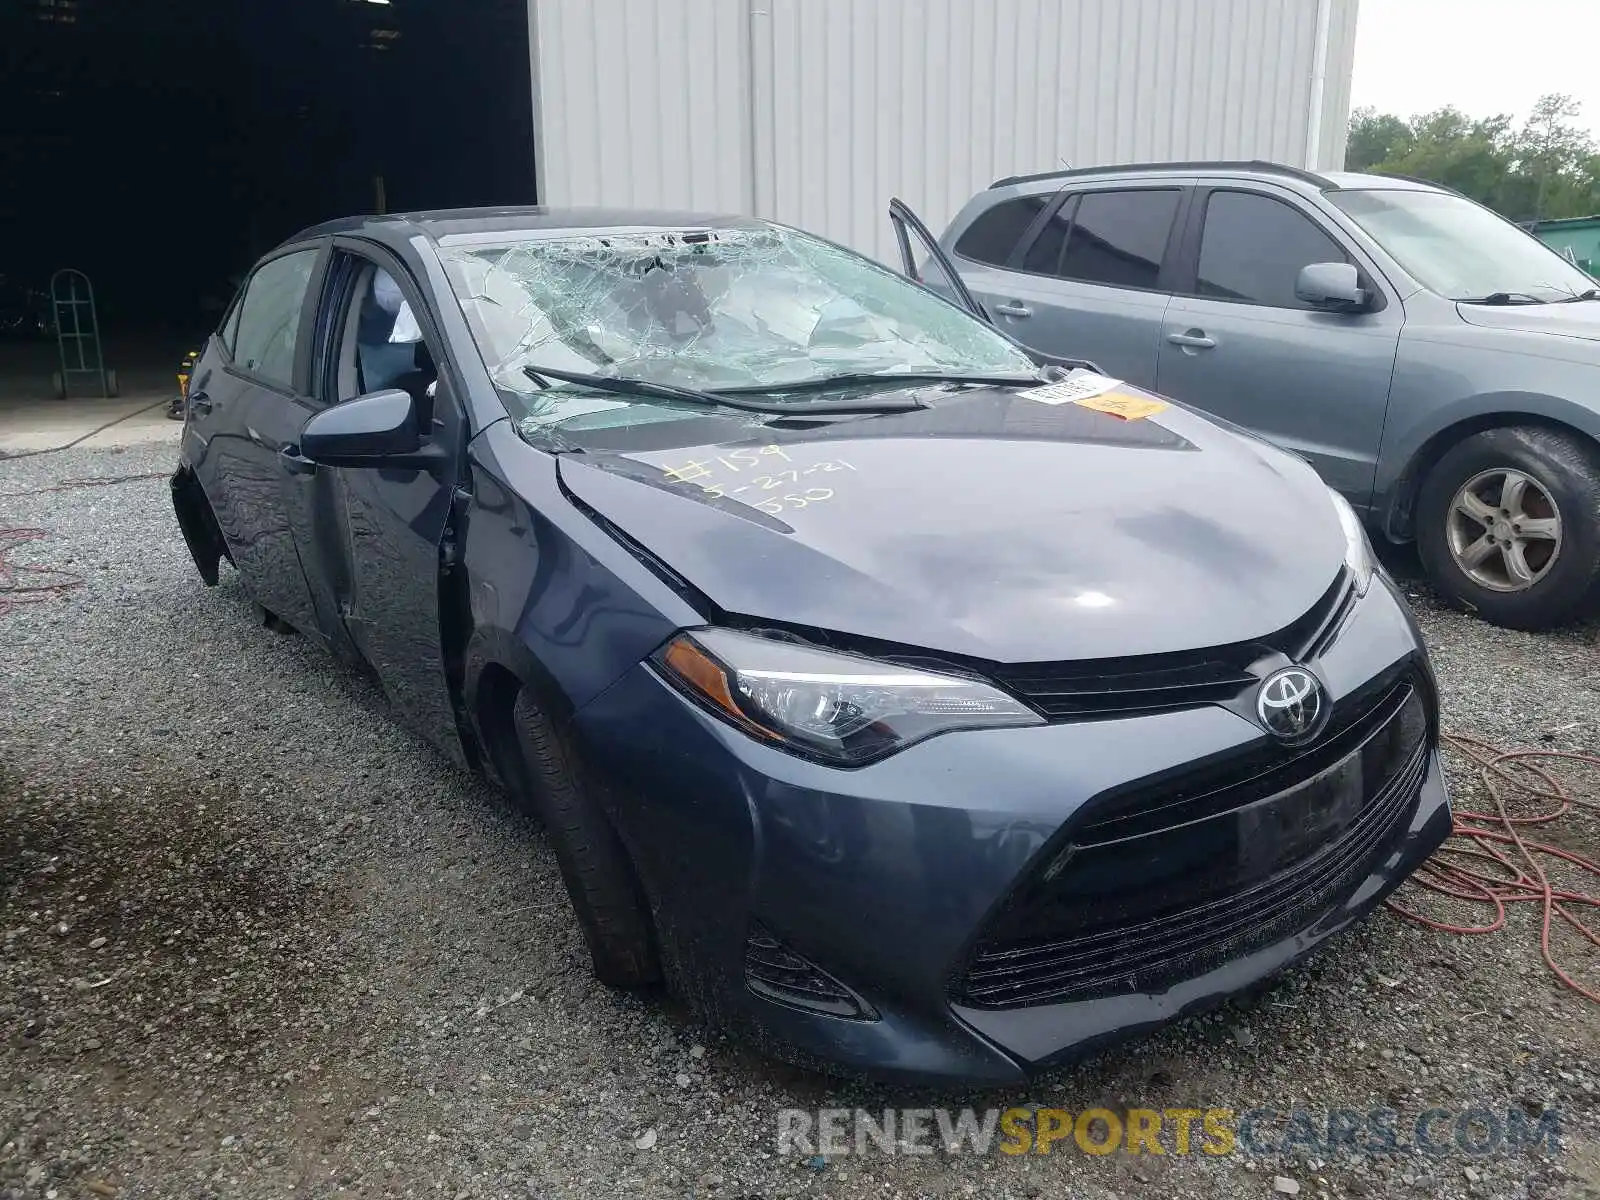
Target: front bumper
(888,876)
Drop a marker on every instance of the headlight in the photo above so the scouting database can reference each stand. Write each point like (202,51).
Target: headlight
(1357,550)
(841,708)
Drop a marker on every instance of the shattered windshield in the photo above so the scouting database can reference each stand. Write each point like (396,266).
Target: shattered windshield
(724,308)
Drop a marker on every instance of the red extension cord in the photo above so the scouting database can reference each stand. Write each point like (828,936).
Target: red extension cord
(1477,863)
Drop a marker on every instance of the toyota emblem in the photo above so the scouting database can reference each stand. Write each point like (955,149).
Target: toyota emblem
(1291,704)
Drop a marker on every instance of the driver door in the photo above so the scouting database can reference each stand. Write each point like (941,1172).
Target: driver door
(911,235)
(385,544)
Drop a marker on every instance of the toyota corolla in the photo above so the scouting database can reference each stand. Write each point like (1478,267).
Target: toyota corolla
(912,704)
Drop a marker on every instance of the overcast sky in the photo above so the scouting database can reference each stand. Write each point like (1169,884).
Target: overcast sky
(1483,56)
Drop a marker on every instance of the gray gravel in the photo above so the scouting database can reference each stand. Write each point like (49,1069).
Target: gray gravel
(258,941)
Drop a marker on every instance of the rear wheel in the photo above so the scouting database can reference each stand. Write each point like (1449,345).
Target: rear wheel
(1508,525)
(569,798)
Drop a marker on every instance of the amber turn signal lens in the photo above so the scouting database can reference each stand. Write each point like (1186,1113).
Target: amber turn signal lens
(703,673)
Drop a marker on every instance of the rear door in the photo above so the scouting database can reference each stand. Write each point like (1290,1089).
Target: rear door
(1237,342)
(246,414)
(1091,278)
(991,240)
(924,260)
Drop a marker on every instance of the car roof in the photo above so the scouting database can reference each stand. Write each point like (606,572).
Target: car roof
(447,222)
(1358,180)
(1323,181)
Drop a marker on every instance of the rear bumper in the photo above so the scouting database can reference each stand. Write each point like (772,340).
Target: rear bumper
(884,877)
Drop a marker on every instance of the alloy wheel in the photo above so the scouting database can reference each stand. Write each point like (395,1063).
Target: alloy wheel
(1504,530)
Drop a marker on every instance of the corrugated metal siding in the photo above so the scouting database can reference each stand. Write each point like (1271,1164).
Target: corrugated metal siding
(815,112)
(642,102)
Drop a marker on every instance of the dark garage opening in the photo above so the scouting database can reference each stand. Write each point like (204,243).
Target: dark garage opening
(162,145)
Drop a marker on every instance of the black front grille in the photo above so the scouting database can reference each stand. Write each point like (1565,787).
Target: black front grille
(773,970)
(1145,683)
(1140,896)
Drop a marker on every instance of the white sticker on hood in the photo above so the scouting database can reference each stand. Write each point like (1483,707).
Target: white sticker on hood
(1079,385)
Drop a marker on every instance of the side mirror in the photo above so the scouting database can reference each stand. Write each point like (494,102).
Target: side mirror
(375,430)
(1332,285)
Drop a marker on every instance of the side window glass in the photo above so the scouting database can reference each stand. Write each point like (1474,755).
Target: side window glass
(1044,256)
(1253,247)
(230,327)
(268,323)
(382,345)
(995,234)
(1119,238)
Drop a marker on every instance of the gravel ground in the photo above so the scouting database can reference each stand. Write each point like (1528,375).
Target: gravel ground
(259,941)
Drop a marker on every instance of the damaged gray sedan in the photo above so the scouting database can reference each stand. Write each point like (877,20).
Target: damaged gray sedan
(910,704)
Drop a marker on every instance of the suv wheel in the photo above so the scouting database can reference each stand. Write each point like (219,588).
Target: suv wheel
(1508,525)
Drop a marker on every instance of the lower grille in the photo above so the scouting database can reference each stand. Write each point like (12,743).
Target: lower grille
(772,970)
(1110,915)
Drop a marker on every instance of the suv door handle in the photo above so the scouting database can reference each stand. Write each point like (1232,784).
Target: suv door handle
(1195,339)
(1013,308)
(199,402)
(295,463)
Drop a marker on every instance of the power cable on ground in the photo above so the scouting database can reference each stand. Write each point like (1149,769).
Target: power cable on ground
(21,454)
(1487,860)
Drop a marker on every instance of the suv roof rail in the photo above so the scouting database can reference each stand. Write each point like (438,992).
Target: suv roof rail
(1261,165)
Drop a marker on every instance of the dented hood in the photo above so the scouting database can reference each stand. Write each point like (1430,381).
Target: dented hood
(988,525)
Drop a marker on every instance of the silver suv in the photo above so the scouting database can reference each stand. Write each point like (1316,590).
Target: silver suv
(1438,366)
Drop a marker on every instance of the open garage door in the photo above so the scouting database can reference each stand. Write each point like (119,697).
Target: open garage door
(161,147)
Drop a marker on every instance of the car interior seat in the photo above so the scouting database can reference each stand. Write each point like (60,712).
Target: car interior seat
(382,361)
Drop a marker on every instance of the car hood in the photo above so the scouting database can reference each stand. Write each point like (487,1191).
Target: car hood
(1578,320)
(989,525)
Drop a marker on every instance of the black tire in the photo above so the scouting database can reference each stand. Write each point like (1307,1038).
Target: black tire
(605,892)
(1567,467)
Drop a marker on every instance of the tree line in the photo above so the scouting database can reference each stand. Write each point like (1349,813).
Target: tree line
(1545,168)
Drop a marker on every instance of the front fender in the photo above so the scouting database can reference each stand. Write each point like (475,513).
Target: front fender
(551,597)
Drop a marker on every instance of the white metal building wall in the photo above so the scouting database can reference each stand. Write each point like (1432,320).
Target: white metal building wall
(815,112)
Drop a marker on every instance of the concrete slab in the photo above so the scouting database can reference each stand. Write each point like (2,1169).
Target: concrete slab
(31,420)
(43,424)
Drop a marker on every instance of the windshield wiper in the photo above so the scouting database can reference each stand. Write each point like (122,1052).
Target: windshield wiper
(1591,294)
(856,378)
(1501,298)
(732,398)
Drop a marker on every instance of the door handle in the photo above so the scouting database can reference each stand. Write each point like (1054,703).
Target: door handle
(1195,339)
(295,463)
(1013,308)
(199,402)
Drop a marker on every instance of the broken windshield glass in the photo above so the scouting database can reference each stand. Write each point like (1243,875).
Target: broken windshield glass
(757,307)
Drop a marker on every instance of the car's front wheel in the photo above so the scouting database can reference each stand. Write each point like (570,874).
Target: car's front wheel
(569,798)
(1508,525)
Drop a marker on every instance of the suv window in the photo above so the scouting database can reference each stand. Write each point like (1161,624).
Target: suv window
(995,234)
(1044,255)
(1253,247)
(268,323)
(1119,238)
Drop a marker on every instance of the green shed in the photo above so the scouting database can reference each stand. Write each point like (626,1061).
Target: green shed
(1577,238)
